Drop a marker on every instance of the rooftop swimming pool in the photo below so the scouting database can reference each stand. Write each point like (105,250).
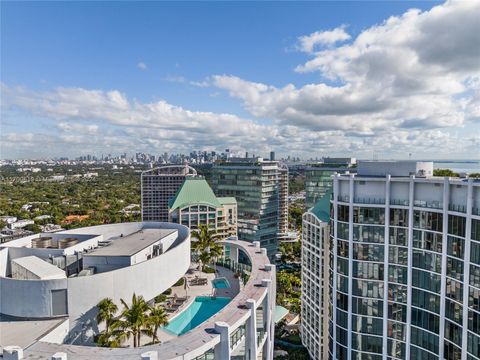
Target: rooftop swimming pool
(220,283)
(196,313)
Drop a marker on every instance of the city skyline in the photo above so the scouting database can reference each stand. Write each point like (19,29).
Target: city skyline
(315,78)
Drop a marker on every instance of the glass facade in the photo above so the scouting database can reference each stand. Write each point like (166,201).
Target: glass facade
(405,275)
(255,186)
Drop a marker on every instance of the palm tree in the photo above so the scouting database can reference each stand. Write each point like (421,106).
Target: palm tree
(106,311)
(134,319)
(156,318)
(206,244)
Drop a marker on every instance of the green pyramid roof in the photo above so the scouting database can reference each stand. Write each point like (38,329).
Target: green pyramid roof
(322,208)
(194,191)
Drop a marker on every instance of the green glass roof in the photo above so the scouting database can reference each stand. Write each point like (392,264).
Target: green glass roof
(227,200)
(194,191)
(280,313)
(322,207)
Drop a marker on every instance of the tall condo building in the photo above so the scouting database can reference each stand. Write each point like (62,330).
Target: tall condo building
(159,185)
(282,202)
(404,264)
(319,177)
(255,184)
(315,270)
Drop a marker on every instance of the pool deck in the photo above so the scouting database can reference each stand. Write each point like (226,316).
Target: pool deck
(199,290)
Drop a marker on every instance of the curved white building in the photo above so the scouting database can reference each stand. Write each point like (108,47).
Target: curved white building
(145,258)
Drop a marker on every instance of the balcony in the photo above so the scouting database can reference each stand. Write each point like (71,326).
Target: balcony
(457,208)
(428,204)
(399,202)
(373,201)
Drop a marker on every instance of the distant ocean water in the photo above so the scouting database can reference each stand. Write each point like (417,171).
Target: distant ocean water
(470,166)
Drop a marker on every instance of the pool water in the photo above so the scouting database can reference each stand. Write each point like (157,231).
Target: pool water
(196,313)
(220,283)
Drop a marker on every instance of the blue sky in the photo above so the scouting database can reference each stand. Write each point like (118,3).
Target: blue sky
(52,50)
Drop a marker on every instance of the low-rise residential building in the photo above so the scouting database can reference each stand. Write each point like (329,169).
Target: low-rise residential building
(20,224)
(195,203)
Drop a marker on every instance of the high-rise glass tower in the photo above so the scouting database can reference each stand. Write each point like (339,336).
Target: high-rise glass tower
(315,270)
(318,177)
(159,185)
(255,184)
(404,264)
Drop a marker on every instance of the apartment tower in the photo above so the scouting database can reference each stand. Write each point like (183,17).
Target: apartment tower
(159,185)
(404,264)
(255,183)
(315,270)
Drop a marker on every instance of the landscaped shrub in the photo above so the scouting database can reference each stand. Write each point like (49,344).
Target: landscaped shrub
(160,298)
(168,292)
(208,270)
(180,282)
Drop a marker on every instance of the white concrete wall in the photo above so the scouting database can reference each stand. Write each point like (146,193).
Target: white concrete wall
(28,298)
(476,196)
(3,261)
(369,189)
(143,254)
(168,241)
(394,168)
(429,192)
(344,189)
(149,279)
(399,190)
(458,194)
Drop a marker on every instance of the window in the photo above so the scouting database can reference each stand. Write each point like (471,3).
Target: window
(367,325)
(456,225)
(398,236)
(363,215)
(476,229)
(425,339)
(454,290)
(455,268)
(368,252)
(475,252)
(399,217)
(428,220)
(343,211)
(427,240)
(426,300)
(426,280)
(427,261)
(364,270)
(456,246)
(453,332)
(454,311)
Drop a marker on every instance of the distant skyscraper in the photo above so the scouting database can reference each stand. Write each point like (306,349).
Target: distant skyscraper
(318,177)
(159,185)
(255,183)
(405,264)
(272,155)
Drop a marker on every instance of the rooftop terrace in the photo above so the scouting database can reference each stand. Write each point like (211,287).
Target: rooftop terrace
(133,243)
